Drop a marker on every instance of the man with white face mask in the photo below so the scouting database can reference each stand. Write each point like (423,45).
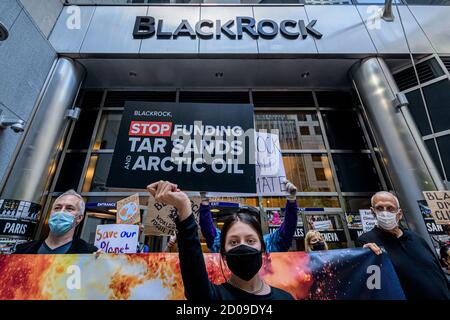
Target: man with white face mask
(417,267)
(67,213)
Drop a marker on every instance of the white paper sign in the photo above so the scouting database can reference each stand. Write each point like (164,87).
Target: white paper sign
(368,220)
(270,172)
(117,238)
(322,225)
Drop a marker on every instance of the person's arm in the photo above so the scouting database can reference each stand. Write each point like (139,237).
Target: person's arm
(207,225)
(363,242)
(287,228)
(281,240)
(192,263)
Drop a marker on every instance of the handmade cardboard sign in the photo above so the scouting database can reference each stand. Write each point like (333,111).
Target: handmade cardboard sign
(128,210)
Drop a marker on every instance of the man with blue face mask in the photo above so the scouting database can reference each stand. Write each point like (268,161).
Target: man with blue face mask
(417,267)
(67,213)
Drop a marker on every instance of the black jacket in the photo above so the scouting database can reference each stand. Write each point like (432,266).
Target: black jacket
(78,246)
(418,269)
(195,277)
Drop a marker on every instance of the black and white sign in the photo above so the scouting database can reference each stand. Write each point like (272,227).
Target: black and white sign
(334,236)
(299,231)
(432,227)
(18,218)
(200,147)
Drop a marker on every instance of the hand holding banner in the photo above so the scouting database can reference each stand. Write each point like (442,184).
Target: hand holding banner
(160,220)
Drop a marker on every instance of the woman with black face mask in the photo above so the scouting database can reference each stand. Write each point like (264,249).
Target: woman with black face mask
(241,247)
(314,241)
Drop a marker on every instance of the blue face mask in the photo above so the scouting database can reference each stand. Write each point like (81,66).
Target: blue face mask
(61,222)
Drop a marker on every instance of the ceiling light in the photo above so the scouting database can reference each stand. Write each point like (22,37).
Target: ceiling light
(305,74)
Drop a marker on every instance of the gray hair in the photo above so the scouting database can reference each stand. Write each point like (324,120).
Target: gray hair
(385,193)
(81,203)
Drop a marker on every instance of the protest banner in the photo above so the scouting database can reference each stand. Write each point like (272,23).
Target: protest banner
(117,238)
(368,219)
(346,274)
(439,204)
(193,145)
(128,210)
(160,219)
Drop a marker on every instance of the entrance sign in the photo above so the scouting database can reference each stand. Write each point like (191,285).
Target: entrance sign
(439,204)
(200,147)
(117,238)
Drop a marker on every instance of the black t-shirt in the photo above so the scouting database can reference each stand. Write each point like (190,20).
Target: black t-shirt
(195,277)
(417,268)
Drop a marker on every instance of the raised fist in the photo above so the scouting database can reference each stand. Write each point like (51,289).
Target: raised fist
(168,193)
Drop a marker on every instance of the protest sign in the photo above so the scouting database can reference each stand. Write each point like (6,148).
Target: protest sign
(193,145)
(128,210)
(117,238)
(160,219)
(439,233)
(322,225)
(18,218)
(368,219)
(439,204)
(346,274)
(432,227)
(270,172)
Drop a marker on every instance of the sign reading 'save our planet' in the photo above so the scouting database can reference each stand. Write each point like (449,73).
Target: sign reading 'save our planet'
(439,204)
(117,238)
(200,147)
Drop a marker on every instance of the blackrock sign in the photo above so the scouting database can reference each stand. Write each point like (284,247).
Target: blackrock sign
(147,27)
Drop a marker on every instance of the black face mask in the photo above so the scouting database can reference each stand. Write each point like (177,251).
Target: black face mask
(244,261)
(318,246)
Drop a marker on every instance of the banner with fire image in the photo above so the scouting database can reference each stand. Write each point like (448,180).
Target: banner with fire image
(326,275)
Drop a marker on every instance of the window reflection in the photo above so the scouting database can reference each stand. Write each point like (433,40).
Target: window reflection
(108,131)
(310,173)
(296,130)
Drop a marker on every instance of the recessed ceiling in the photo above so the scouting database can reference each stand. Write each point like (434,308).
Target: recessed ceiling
(220,73)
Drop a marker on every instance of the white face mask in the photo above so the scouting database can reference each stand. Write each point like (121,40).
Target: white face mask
(387,220)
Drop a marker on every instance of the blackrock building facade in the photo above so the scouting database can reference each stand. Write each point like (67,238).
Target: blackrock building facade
(359,94)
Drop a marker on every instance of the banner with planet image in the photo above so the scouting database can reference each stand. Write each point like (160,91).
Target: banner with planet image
(326,275)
